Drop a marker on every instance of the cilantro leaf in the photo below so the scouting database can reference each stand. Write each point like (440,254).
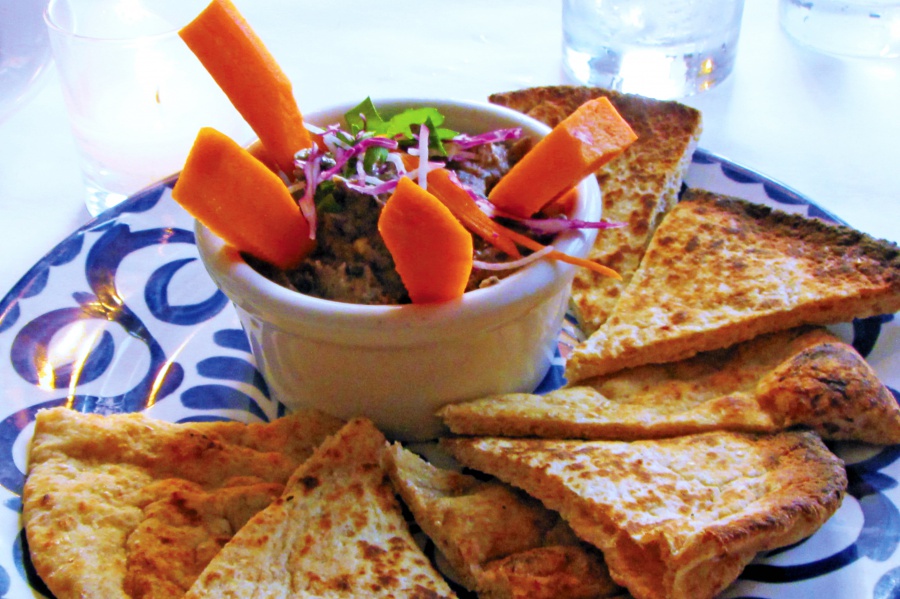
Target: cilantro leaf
(374,155)
(325,198)
(434,140)
(401,124)
(364,117)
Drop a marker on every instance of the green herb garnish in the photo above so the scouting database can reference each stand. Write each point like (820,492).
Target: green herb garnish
(365,117)
(325,199)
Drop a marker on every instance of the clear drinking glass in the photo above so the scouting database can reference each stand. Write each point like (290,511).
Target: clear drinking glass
(658,48)
(24,52)
(865,28)
(136,95)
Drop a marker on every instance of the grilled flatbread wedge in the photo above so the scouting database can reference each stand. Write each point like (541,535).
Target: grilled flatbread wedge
(337,531)
(638,187)
(499,542)
(550,572)
(803,376)
(721,270)
(675,518)
(128,506)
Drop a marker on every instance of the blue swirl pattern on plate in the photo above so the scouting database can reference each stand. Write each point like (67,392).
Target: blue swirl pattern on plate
(121,317)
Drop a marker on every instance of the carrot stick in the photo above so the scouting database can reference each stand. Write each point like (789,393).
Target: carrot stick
(239,199)
(441,183)
(533,245)
(244,69)
(587,139)
(562,204)
(432,251)
(467,211)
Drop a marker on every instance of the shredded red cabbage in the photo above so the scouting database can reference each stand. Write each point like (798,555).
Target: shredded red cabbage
(311,173)
(548,226)
(541,226)
(457,147)
(374,190)
(513,263)
(345,147)
(395,159)
(464,141)
(422,175)
(343,153)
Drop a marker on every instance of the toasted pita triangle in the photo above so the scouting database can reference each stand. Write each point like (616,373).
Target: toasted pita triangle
(638,188)
(498,541)
(803,376)
(720,271)
(127,506)
(675,518)
(337,531)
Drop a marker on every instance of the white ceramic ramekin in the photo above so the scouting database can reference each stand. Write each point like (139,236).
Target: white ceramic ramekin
(398,364)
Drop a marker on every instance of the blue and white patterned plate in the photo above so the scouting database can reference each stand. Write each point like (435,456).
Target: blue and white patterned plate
(121,316)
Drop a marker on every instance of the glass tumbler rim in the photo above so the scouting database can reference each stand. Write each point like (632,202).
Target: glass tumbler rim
(55,25)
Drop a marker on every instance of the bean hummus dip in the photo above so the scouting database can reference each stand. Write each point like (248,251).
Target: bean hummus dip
(350,262)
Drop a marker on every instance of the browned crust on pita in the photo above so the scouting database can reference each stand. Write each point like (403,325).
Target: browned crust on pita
(498,541)
(130,506)
(183,528)
(638,187)
(831,389)
(471,521)
(721,270)
(336,531)
(675,518)
(550,572)
(800,377)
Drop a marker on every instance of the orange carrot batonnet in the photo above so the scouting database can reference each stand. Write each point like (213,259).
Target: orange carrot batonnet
(446,187)
(583,142)
(432,251)
(533,245)
(443,185)
(250,77)
(464,208)
(242,201)
(562,204)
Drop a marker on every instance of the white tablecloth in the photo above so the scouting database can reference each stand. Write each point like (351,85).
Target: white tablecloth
(827,127)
